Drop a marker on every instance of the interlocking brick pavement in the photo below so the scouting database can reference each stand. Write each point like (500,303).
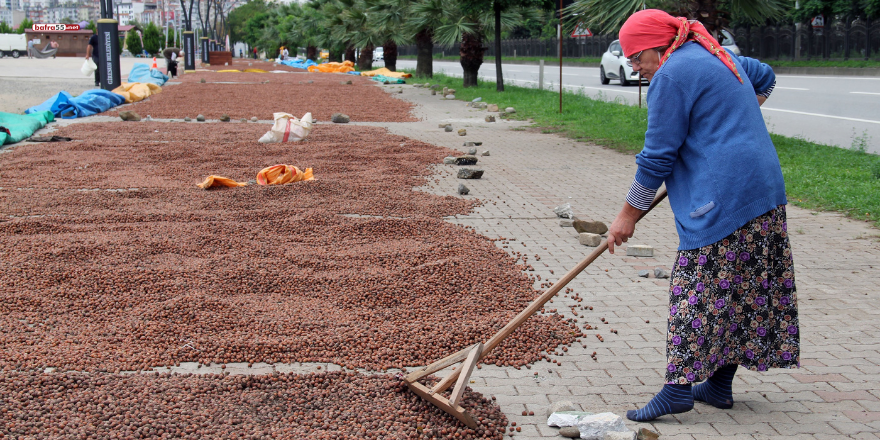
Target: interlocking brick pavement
(836,393)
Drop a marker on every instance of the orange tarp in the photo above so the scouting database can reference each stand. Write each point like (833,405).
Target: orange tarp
(274,175)
(385,72)
(281,174)
(343,67)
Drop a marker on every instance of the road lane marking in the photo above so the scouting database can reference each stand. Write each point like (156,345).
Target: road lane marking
(821,115)
(865,93)
(790,88)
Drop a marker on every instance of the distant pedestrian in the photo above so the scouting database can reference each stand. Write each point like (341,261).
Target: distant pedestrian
(255,53)
(95,54)
(30,48)
(241,53)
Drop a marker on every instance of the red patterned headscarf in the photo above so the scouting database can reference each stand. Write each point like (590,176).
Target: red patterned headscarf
(652,28)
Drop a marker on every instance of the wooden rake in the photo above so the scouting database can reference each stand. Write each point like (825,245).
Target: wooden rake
(474,353)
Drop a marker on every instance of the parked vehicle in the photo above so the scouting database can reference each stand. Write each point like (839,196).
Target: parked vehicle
(726,40)
(379,54)
(13,45)
(615,66)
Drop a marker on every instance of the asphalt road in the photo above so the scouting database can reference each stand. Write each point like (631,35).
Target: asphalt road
(835,110)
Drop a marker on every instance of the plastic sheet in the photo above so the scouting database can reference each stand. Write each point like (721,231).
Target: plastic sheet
(298,64)
(134,92)
(385,72)
(141,73)
(388,80)
(343,67)
(281,174)
(15,128)
(91,102)
(288,128)
(219,181)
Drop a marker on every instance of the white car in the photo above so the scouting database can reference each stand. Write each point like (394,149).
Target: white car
(379,54)
(615,66)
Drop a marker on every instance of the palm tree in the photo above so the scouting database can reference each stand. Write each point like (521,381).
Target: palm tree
(609,15)
(389,17)
(425,17)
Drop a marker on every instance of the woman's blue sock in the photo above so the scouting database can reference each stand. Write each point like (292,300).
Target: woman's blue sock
(672,399)
(717,390)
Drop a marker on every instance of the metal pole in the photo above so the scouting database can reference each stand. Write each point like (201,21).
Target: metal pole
(559,32)
(541,75)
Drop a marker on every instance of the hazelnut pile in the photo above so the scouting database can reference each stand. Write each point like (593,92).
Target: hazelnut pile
(291,93)
(338,405)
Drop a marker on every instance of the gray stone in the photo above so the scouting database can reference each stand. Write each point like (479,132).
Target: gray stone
(310,81)
(490,118)
(443,125)
(492,107)
(449,96)
(470,173)
(254,119)
(639,250)
(484,153)
(224,118)
(591,227)
(433,92)
(565,223)
(477,99)
(449,160)
(660,272)
(483,105)
(148,118)
(647,434)
(242,120)
(463,190)
(595,426)
(437,87)
(502,115)
(472,151)
(314,120)
(448,129)
(510,110)
(129,115)
(400,91)
(644,273)
(472,144)
(450,92)
(564,211)
(588,239)
(445,91)
(187,119)
(462,132)
(340,118)
(570,432)
(466,160)
(348,83)
(620,435)
(200,118)
(202,81)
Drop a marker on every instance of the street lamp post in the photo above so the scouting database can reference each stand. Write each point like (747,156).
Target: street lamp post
(108,45)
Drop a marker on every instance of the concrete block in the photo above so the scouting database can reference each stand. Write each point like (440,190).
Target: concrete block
(639,250)
(588,239)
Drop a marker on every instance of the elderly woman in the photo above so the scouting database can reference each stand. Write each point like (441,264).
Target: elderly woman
(732,298)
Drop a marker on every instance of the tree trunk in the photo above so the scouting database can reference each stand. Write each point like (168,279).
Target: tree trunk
(349,54)
(499,77)
(389,51)
(425,59)
(312,53)
(471,54)
(365,60)
(335,55)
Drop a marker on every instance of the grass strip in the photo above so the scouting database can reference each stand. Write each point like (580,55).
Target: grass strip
(817,176)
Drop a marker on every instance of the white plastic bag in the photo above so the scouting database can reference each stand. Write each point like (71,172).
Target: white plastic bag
(89,67)
(288,128)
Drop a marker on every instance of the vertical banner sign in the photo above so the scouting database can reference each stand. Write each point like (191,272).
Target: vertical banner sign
(204,46)
(108,44)
(189,52)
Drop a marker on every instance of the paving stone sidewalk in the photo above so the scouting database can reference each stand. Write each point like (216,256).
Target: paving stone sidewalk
(836,393)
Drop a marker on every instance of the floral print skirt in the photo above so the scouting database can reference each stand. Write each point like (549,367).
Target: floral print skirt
(734,302)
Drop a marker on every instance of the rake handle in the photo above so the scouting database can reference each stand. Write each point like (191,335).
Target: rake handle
(539,302)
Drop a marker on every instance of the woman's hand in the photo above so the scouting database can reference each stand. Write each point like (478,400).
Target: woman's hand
(623,227)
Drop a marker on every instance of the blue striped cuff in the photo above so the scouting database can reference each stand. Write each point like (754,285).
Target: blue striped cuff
(639,196)
(766,93)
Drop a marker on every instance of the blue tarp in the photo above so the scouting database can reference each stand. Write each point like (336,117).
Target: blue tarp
(69,107)
(141,73)
(21,126)
(354,72)
(299,64)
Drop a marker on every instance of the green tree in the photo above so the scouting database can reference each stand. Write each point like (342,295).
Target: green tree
(133,42)
(425,17)
(829,8)
(152,39)
(5,28)
(239,17)
(25,24)
(92,26)
(389,17)
(609,15)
